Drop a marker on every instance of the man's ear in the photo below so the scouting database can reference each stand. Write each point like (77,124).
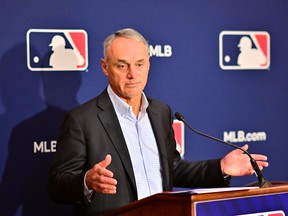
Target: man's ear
(104,67)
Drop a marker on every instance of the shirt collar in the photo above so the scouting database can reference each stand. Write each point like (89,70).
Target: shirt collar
(122,107)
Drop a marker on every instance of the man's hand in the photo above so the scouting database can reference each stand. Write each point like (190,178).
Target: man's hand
(236,163)
(100,179)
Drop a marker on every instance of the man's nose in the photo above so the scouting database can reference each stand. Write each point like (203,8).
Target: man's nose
(132,72)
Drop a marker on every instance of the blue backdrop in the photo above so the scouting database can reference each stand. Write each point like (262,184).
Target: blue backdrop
(240,104)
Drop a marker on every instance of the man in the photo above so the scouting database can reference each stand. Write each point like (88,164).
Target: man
(119,147)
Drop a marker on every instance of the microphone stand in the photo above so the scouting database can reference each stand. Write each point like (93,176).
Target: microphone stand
(262,182)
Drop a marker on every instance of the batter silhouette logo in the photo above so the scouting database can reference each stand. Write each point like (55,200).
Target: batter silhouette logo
(244,50)
(57,50)
(178,127)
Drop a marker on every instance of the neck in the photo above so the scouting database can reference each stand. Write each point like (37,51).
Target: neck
(135,103)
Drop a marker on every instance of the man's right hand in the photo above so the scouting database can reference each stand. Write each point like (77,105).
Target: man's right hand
(100,179)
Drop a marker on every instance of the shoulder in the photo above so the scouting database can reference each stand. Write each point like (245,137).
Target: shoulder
(95,104)
(158,105)
(84,108)
(92,107)
(160,111)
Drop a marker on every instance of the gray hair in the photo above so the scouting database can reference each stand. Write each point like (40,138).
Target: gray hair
(126,33)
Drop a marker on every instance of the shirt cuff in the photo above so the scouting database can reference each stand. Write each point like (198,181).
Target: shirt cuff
(227,179)
(87,192)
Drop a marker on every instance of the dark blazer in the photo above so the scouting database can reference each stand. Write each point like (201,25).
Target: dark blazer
(91,131)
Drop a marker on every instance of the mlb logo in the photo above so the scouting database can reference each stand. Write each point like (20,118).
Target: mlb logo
(57,50)
(178,127)
(244,50)
(270,213)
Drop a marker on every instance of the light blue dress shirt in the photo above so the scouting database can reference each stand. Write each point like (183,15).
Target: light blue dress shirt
(141,145)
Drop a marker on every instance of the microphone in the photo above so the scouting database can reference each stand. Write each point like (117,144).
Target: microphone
(262,182)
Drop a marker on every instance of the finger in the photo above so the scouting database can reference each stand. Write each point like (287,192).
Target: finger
(100,183)
(106,180)
(262,164)
(104,172)
(107,190)
(105,185)
(259,157)
(103,188)
(106,162)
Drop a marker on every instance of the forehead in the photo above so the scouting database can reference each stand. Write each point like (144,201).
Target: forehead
(126,48)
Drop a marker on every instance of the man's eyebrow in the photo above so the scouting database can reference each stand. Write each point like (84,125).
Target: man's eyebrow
(124,61)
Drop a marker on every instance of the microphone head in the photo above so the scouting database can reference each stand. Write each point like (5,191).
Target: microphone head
(179,116)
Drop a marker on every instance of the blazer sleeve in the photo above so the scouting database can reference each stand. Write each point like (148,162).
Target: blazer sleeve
(193,174)
(66,181)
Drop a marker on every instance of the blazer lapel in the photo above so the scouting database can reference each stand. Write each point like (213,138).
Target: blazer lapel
(111,124)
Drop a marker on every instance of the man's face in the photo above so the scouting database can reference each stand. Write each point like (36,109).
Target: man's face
(127,67)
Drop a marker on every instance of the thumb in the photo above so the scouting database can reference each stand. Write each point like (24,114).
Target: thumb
(106,161)
(245,147)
